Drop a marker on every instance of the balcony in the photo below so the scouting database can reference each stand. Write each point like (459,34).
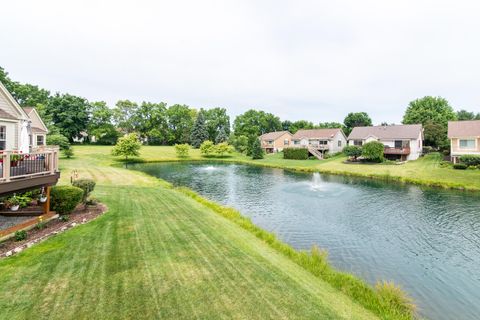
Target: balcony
(395,151)
(24,171)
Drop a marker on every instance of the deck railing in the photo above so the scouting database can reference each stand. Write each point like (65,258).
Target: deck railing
(401,151)
(15,165)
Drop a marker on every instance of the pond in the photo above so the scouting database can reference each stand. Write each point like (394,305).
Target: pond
(426,240)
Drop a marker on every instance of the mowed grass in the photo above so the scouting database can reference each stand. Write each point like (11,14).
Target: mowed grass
(157,253)
(426,170)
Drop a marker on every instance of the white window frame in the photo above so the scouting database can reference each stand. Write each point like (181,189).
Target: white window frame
(467,139)
(43,139)
(3,135)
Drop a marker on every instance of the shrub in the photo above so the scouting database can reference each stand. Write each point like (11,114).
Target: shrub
(68,153)
(64,199)
(472,168)
(207,148)
(223,148)
(445,164)
(470,160)
(182,150)
(353,151)
(460,166)
(295,153)
(373,151)
(240,143)
(20,235)
(127,146)
(427,149)
(64,218)
(87,185)
(58,139)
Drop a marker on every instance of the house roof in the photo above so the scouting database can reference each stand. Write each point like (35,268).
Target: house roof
(408,131)
(470,128)
(273,135)
(38,130)
(36,121)
(316,133)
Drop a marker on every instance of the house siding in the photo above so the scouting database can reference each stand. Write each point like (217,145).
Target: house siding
(457,151)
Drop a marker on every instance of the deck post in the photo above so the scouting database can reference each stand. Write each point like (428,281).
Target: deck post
(46,205)
(6,165)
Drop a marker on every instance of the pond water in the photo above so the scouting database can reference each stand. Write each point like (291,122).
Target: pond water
(426,240)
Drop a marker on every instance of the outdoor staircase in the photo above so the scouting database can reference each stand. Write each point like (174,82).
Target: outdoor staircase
(316,153)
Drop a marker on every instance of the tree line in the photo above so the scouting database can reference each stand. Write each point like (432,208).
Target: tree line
(157,123)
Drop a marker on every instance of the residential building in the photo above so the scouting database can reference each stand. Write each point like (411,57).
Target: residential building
(275,141)
(402,142)
(464,138)
(320,141)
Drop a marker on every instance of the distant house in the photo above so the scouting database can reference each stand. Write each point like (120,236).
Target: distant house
(320,141)
(464,138)
(402,142)
(38,135)
(275,141)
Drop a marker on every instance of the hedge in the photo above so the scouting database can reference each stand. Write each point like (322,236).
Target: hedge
(460,166)
(64,199)
(470,160)
(295,153)
(87,185)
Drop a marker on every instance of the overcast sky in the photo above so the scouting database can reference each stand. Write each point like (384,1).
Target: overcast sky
(315,60)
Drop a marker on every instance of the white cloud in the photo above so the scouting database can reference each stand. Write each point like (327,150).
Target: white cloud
(315,60)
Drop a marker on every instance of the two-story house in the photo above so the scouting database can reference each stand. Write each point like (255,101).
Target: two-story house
(464,138)
(275,141)
(402,142)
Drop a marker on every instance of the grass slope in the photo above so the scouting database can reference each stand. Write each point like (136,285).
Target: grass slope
(157,253)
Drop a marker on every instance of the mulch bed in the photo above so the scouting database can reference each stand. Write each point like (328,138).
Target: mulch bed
(79,216)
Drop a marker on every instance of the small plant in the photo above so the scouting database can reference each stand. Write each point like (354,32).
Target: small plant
(68,153)
(395,297)
(87,185)
(353,152)
(445,164)
(182,150)
(460,166)
(127,146)
(64,217)
(20,235)
(207,148)
(91,201)
(64,199)
(41,224)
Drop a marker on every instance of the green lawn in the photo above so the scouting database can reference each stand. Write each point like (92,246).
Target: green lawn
(158,253)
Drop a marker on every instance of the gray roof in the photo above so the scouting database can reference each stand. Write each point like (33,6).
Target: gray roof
(408,131)
(316,133)
(458,129)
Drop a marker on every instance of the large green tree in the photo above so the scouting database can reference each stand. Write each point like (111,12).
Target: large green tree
(467,115)
(432,111)
(69,113)
(199,132)
(180,123)
(356,119)
(151,122)
(124,114)
(217,119)
(255,123)
(301,124)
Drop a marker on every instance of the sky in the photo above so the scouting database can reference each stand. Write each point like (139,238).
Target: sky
(313,60)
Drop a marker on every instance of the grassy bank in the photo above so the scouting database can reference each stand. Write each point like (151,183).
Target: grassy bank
(166,253)
(424,171)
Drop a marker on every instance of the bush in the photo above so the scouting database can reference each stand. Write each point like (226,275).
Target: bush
(427,149)
(445,164)
(373,151)
(460,166)
(68,153)
(64,218)
(295,153)
(64,199)
(353,151)
(87,185)
(207,148)
(20,235)
(57,139)
(240,143)
(223,148)
(182,150)
(470,160)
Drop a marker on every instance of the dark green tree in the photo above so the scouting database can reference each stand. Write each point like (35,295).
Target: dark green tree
(467,115)
(152,123)
(69,113)
(199,132)
(180,123)
(216,119)
(430,110)
(286,125)
(435,135)
(257,151)
(221,136)
(356,119)
(124,114)
(255,123)
(301,124)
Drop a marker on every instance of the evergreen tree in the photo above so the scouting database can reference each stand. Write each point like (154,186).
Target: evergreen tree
(221,136)
(199,131)
(257,151)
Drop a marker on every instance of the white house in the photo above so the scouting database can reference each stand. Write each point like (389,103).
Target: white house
(321,140)
(21,129)
(402,142)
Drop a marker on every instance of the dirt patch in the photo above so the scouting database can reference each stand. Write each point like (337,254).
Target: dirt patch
(80,215)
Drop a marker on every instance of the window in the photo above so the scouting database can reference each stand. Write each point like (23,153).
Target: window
(323,142)
(40,141)
(286,142)
(339,143)
(467,143)
(357,142)
(296,142)
(3,137)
